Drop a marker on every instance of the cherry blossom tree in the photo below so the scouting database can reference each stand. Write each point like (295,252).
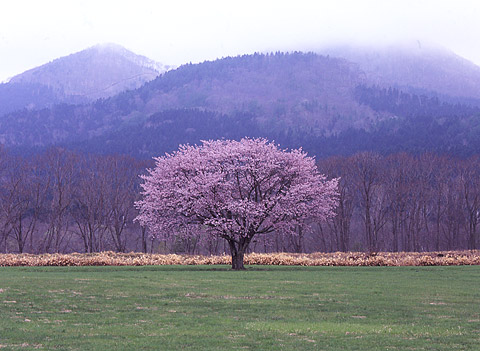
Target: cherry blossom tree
(235,190)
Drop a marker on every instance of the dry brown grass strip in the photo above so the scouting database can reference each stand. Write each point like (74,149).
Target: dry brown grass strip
(108,258)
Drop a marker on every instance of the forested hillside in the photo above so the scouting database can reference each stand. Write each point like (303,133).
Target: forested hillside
(303,92)
(326,105)
(416,124)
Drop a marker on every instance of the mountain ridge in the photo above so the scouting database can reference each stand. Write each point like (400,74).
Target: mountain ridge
(415,67)
(100,71)
(324,103)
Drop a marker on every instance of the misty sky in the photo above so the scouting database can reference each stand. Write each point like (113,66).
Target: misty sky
(34,32)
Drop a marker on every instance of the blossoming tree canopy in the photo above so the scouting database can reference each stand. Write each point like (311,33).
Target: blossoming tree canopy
(235,190)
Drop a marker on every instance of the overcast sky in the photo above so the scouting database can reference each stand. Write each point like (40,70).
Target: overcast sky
(34,32)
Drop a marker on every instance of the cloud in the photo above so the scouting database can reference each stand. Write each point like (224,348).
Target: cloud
(175,32)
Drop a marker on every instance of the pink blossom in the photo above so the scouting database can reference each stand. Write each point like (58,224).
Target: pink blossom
(235,190)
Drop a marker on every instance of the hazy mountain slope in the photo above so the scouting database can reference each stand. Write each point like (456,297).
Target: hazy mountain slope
(324,104)
(287,93)
(17,96)
(97,72)
(282,90)
(414,67)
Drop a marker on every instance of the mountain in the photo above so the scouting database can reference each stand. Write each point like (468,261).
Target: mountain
(326,104)
(416,67)
(417,124)
(286,93)
(97,72)
(296,90)
(18,96)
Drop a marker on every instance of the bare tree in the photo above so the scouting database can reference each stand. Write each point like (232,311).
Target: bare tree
(61,175)
(89,208)
(121,189)
(23,193)
(469,179)
(340,167)
(372,199)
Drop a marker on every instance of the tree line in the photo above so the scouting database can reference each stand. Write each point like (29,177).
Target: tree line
(66,201)
(403,203)
(62,201)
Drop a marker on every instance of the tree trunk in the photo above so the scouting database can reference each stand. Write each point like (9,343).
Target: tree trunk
(237,261)
(238,252)
(144,239)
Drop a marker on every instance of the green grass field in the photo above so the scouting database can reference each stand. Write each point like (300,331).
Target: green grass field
(263,308)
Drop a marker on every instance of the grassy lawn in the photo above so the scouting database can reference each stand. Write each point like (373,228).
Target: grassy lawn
(263,308)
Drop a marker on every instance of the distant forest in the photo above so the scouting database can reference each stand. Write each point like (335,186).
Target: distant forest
(415,124)
(64,201)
